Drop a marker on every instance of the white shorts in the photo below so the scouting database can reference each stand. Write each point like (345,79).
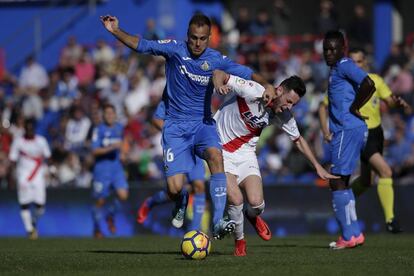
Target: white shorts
(28,192)
(241,164)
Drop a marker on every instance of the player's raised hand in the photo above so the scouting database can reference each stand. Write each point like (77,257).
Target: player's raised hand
(269,94)
(110,23)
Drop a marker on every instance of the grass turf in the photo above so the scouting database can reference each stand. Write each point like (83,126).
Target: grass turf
(154,255)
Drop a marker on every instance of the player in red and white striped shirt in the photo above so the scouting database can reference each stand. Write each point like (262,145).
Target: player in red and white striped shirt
(29,153)
(240,121)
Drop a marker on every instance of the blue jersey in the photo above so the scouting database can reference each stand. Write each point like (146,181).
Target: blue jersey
(188,90)
(344,80)
(104,135)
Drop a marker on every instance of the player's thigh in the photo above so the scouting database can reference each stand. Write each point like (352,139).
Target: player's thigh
(234,194)
(380,166)
(24,192)
(39,193)
(120,183)
(177,143)
(207,146)
(345,148)
(253,188)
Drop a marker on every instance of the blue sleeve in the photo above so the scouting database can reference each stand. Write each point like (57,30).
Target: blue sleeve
(164,48)
(160,111)
(233,68)
(352,72)
(96,138)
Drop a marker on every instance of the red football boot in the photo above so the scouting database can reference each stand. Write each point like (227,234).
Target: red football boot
(111,224)
(261,227)
(143,211)
(240,248)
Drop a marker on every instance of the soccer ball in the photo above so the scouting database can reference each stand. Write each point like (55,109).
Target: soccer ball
(195,245)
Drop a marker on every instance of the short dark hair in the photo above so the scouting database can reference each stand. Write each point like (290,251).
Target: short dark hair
(335,35)
(296,84)
(355,50)
(108,105)
(199,19)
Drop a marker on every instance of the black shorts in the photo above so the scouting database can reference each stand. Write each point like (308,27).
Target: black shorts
(375,143)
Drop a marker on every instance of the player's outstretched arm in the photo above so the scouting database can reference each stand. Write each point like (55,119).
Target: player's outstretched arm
(304,147)
(323,121)
(365,92)
(111,24)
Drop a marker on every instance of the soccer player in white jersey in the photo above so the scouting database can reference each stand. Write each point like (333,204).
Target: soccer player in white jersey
(28,153)
(239,122)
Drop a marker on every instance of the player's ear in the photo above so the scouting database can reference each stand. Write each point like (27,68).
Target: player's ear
(279,91)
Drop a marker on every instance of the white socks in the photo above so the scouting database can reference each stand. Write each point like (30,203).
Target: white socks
(236,214)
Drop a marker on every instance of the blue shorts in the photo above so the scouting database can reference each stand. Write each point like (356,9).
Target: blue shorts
(198,172)
(183,140)
(107,181)
(346,147)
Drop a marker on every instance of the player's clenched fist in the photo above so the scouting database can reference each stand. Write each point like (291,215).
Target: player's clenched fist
(110,22)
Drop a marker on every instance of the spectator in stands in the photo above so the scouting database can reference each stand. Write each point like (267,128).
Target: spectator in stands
(280,18)
(103,54)
(85,69)
(262,25)
(152,32)
(116,97)
(359,28)
(33,75)
(72,52)
(138,95)
(396,56)
(67,89)
(243,21)
(76,131)
(327,17)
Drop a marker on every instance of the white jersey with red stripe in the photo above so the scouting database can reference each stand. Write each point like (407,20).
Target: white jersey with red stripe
(29,155)
(242,118)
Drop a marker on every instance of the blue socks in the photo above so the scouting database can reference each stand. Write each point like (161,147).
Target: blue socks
(158,198)
(354,223)
(199,202)
(344,207)
(218,193)
(114,207)
(97,215)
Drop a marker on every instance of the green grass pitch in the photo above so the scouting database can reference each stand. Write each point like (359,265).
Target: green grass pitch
(155,255)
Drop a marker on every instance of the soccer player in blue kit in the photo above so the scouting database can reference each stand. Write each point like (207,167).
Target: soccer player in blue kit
(189,129)
(108,173)
(349,89)
(195,177)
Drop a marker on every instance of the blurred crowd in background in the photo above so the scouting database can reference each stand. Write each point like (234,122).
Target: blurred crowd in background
(66,101)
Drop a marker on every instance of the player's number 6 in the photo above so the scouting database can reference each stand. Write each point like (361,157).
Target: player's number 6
(169,155)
